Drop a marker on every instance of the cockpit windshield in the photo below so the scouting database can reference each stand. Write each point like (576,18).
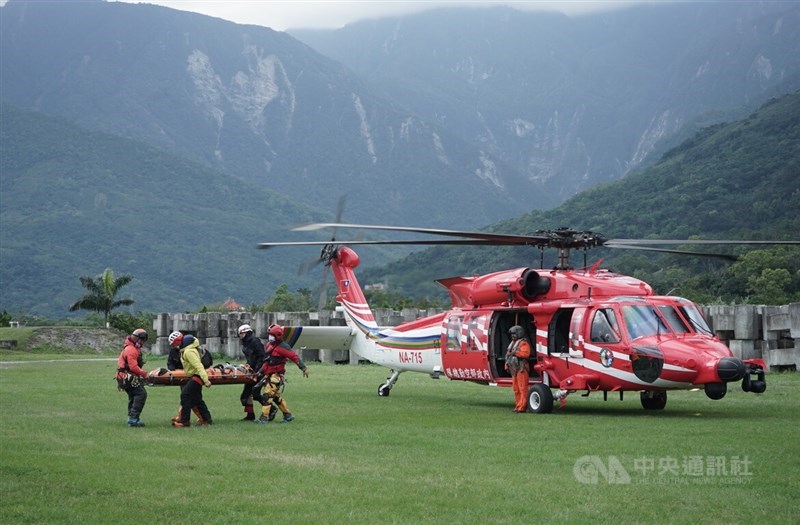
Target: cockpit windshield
(679,317)
(642,321)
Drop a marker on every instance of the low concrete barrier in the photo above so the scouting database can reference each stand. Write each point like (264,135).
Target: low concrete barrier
(771,333)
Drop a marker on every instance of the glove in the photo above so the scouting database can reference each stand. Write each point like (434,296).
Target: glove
(305,372)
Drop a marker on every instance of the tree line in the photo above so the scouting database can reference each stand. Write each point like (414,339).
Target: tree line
(769,276)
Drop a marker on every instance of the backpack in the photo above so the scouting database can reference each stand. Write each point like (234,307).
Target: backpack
(205,356)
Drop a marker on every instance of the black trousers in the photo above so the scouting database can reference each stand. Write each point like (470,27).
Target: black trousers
(247,395)
(191,397)
(137,396)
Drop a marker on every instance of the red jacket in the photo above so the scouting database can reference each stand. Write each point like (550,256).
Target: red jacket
(277,354)
(130,359)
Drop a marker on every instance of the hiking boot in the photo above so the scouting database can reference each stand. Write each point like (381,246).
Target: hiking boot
(262,420)
(181,424)
(135,422)
(287,418)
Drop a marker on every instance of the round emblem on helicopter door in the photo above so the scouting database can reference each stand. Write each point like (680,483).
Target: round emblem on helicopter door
(606,357)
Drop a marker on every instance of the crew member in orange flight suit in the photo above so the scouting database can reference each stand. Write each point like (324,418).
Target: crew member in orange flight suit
(519,350)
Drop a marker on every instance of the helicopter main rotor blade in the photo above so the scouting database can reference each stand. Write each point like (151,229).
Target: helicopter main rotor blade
(429,242)
(724,256)
(563,239)
(485,236)
(618,243)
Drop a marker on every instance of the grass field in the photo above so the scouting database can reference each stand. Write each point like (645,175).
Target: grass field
(433,452)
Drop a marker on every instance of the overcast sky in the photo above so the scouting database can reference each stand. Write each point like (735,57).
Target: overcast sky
(288,14)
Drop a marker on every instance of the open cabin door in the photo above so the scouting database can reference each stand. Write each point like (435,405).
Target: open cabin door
(499,340)
(565,331)
(464,345)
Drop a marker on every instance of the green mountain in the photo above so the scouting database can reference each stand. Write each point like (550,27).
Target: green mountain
(734,181)
(74,202)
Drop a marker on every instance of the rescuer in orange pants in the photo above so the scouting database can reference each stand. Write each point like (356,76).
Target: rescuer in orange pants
(519,350)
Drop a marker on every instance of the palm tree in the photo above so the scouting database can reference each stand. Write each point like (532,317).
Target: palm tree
(102,293)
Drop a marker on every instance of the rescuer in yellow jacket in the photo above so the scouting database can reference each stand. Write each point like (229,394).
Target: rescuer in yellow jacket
(191,392)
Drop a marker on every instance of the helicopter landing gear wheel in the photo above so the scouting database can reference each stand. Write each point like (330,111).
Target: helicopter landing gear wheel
(384,389)
(540,399)
(653,400)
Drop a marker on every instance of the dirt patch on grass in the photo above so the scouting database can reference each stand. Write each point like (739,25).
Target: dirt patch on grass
(78,340)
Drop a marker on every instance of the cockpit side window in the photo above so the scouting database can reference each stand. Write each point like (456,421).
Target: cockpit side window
(696,319)
(604,327)
(674,320)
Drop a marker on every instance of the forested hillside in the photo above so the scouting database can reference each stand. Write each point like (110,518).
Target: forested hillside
(734,181)
(76,202)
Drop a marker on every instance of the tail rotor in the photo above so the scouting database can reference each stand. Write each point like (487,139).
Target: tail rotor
(328,252)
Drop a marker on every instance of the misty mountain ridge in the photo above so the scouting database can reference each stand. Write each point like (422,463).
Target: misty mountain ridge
(182,140)
(500,110)
(573,101)
(250,101)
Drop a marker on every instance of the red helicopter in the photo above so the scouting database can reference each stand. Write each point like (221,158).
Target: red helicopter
(591,330)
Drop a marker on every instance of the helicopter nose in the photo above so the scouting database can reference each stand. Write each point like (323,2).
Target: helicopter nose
(730,369)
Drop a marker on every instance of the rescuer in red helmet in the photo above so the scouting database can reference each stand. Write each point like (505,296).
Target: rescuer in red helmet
(519,350)
(272,372)
(130,375)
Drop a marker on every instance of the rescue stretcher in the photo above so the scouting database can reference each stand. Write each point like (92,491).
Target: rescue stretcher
(226,374)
